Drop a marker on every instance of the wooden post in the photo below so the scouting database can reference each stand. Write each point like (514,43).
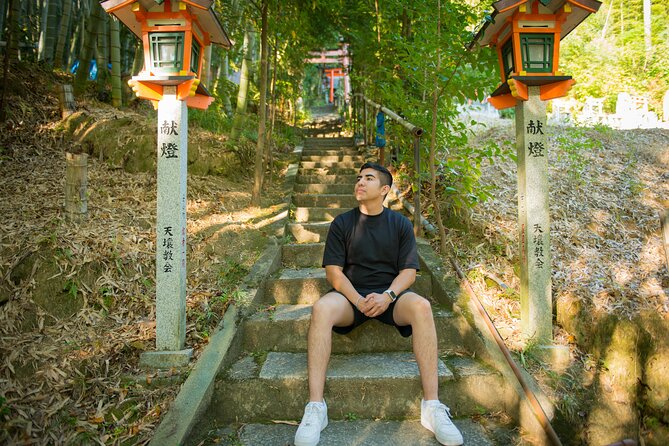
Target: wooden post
(417,229)
(76,182)
(67,104)
(536,306)
(664,223)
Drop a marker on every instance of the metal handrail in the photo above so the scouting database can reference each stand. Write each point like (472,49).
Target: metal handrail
(416,132)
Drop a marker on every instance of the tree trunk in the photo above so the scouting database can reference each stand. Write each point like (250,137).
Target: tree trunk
(44,18)
(14,30)
(243,86)
(11,36)
(433,142)
(272,107)
(62,34)
(646,32)
(3,13)
(227,104)
(138,61)
(262,108)
(102,48)
(78,31)
(52,32)
(88,49)
(116,62)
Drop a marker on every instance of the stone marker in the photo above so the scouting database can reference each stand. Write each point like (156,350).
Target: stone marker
(533,219)
(171,235)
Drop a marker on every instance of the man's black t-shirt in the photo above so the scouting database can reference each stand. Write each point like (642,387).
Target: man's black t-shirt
(372,249)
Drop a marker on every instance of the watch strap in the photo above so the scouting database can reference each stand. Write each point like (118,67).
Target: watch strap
(391,293)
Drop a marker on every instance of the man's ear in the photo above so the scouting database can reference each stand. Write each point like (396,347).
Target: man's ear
(386,189)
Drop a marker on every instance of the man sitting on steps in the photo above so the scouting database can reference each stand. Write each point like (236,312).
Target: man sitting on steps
(371,261)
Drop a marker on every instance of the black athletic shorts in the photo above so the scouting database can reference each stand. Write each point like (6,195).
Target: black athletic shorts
(386,317)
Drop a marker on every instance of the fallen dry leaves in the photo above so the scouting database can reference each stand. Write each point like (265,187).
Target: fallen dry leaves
(607,189)
(75,379)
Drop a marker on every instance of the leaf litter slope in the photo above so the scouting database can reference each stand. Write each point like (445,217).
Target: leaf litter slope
(607,190)
(75,379)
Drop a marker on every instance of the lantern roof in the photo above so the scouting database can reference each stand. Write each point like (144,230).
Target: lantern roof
(201,9)
(504,9)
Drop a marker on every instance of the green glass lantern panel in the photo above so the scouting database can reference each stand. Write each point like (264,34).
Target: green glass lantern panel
(537,52)
(167,51)
(507,58)
(195,57)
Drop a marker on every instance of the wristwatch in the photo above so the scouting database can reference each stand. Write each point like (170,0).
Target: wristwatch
(391,293)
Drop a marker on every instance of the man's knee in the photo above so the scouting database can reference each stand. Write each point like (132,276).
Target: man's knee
(330,309)
(414,309)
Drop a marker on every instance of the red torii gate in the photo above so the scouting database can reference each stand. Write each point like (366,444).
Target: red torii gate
(340,57)
(331,73)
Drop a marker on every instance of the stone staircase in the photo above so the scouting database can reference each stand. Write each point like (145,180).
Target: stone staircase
(373,387)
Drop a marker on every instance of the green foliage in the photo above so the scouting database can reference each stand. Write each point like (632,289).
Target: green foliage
(574,142)
(350,416)
(606,54)
(71,288)
(212,119)
(4,407)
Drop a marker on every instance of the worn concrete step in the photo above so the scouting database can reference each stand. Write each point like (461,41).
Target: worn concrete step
(285,327)
(332,152)
(333,158)
(357,433)
(311,215)
(324,188)
(302,255)
(325,200)
(327,179)
(328,171)
(370,385)
(331,164)
(321,142)
(309,232)
(305,285)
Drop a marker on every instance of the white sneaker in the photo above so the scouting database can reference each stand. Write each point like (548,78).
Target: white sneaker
(315,419)
(435,417)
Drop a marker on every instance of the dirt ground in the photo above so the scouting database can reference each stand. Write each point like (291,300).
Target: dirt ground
(607,190)
(77,298)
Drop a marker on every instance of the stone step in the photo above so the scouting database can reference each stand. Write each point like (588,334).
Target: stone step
(309,232)
(320,142)
(325,200)
(327,179)
(357,432)
(370,385)
(311,215)
(302,255)
(324,188)
(285,327)
(305,285)
(330,164)
(332,152)
(328,171)
(333,158)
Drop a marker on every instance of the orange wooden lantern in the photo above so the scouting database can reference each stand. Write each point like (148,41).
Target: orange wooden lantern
(175,35)
(526,35)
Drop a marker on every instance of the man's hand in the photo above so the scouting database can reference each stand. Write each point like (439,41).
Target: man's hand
(374,304)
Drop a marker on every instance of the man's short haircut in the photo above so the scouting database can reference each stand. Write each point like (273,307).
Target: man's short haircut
(386,178)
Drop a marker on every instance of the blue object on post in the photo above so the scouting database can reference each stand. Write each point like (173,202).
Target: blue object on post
(380,129)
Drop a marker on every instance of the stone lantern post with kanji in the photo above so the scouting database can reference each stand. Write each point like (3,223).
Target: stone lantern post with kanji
(526,35)
(175,35)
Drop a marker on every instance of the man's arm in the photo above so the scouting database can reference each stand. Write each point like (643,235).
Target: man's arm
(374,304)
(336,277)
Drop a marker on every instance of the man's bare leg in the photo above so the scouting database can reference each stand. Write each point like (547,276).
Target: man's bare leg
(412,309)
(331,310)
